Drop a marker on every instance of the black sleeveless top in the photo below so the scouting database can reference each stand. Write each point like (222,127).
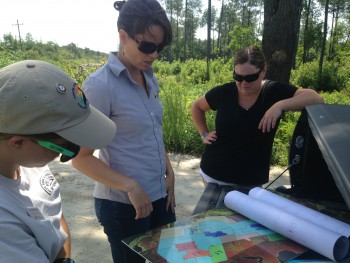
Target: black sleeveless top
(241,153)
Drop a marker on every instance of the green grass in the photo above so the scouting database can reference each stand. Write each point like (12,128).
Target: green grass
(181,83)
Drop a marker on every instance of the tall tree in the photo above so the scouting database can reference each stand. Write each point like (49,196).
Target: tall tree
(208,39)
(306,29)
(196,11)
(175,8)
(220,25)
(191,24)
(310,31)
(169,8)
(230,18)
(324,39)
(280,36)
(185,29)
(338,7)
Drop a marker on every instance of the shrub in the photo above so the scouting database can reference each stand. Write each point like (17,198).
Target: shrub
(181,83)
(332,78)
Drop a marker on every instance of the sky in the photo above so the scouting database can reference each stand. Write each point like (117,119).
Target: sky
(88,24)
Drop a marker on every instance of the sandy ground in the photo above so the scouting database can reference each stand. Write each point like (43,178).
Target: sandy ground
(89,243)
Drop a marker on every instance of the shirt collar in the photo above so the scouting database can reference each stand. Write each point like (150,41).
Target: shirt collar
(118,67)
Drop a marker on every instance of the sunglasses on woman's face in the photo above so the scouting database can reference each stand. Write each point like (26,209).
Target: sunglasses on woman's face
(68,150)
(148,47)
(247,78)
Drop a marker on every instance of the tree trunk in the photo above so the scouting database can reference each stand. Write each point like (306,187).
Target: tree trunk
(334,41)
(185,31)
(331,35)
(306,32)
(177,37)
(171,22)
(220,26)
(280,36)
(208,39)
(192,36)
(323,48)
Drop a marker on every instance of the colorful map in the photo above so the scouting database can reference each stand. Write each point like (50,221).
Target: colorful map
(219,235)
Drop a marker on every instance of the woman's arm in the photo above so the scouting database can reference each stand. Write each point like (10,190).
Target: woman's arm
(65,251)
(96,169)
(170,184)
(198,110)
(301,98)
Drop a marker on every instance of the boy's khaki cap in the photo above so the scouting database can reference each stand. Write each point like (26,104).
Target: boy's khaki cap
(37,97)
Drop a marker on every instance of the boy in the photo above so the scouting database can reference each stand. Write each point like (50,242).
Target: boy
(43,114)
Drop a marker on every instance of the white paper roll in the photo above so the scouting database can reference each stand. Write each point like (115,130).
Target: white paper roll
(300,211)
(324,241)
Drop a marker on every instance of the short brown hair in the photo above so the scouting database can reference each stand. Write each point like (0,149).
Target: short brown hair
(136,17)
(252,55)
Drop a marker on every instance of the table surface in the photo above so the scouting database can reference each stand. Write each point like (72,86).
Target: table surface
(189,233)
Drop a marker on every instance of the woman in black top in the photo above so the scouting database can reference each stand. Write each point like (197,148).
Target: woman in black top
(248,112)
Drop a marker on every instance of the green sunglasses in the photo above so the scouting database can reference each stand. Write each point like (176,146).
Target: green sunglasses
(68,152)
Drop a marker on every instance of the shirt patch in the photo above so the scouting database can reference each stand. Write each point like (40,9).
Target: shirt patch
(48,182)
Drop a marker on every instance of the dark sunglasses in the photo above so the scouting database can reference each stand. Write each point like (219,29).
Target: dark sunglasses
(148,47)
(68,151)
(247,78)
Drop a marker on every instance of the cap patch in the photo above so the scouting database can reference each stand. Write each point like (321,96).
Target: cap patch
(79,95)
(61,88)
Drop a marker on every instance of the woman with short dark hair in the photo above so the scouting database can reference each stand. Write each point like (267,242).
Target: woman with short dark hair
(135,181)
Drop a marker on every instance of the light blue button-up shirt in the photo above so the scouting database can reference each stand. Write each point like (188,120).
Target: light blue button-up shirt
(137,150)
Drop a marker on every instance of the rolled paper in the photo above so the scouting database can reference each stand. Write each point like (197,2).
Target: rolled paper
(300,211)
(322,240)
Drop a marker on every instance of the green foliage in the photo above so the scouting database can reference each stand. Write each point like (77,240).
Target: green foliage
(283,137)
(9,57)
(337,97)
(194,72)
(305,76)
(181,83)
(344,65)
(333,76)
(178,130)
(242,36)
(221,71)
(78,63)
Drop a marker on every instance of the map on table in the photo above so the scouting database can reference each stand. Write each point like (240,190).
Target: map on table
(218,235)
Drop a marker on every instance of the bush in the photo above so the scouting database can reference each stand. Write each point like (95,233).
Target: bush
(283,138)
(332,78)
(305,76)
(337,97)
(181,83)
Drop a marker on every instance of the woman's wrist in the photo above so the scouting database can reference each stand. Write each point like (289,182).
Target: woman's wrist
(204,134)
(131,188)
